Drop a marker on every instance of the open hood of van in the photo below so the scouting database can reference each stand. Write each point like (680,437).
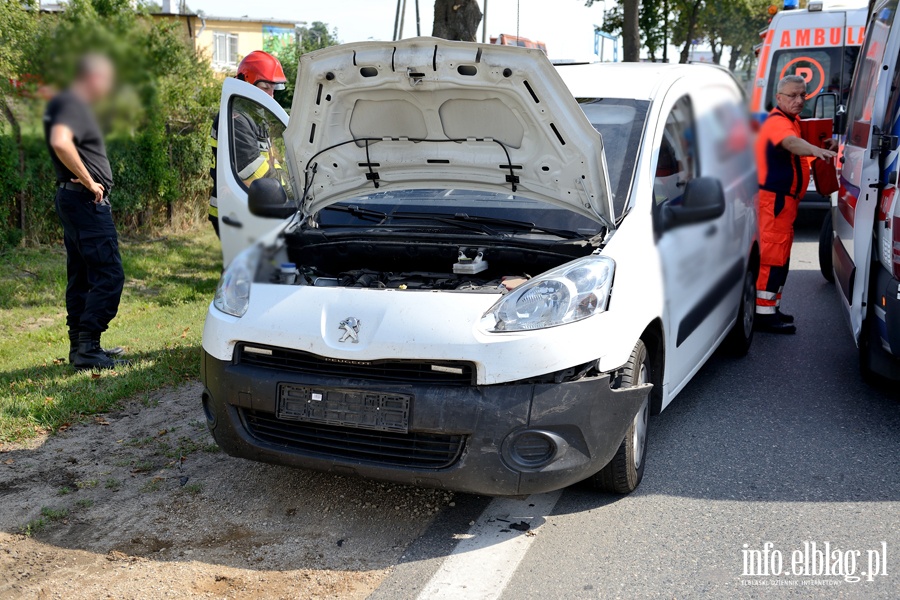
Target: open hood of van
(427,113)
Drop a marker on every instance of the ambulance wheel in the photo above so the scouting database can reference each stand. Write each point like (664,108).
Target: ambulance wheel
(741,335)
(626,469)
(865,353)
(826,263)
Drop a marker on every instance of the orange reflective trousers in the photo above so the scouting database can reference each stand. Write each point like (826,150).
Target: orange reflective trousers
(777,213)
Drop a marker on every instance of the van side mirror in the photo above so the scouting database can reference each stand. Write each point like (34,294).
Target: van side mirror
(703,200)
(266,198)
(825,105)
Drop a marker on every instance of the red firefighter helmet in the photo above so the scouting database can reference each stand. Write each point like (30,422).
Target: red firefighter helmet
(259,66)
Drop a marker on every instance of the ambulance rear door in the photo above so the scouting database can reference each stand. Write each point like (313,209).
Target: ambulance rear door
(867,144)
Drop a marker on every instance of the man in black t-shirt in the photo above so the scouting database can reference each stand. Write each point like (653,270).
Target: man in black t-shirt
(84,180)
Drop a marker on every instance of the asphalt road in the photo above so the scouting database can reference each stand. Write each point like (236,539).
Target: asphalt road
(786,446)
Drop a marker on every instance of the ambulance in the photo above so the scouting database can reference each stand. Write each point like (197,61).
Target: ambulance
(820,43)
(860,243)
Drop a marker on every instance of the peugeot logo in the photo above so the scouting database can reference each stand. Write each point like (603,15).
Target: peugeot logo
(350,327)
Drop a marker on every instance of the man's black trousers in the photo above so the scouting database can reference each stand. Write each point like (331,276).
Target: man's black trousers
(93,263)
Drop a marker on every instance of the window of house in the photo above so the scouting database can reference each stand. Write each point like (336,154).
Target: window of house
(225,49)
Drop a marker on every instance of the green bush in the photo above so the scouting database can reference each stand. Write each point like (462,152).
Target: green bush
(158,121)
(150,191)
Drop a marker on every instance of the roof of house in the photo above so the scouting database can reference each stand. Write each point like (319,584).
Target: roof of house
(59,7)
(231,19)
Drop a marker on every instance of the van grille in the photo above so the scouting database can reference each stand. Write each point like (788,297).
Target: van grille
(396,371)
(409,450)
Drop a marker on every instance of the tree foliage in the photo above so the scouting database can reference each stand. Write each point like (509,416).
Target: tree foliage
(650,30)
(731,26)
(308,39)
(158,120)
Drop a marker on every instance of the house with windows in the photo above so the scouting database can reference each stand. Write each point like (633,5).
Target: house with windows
(226,40)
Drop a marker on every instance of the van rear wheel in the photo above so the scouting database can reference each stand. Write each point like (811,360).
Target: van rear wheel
(626,469)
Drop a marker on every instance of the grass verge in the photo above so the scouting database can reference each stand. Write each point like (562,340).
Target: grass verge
(169,284)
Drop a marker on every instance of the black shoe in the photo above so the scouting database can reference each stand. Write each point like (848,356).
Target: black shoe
(91,356)
(772,324)
(784,317)
(73,348)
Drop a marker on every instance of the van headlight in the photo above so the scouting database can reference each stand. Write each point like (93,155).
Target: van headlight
(570,293)
(233,291)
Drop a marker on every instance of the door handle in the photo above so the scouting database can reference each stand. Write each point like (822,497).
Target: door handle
(232,222)
(711,231)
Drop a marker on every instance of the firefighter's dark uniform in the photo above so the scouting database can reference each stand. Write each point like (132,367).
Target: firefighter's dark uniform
(93,264)
(252,155)
(783,179)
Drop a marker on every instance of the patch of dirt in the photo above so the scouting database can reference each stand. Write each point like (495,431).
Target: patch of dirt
(35,323)
(141,504)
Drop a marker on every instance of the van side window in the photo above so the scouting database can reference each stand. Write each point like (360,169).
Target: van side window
(257,144)
(676,161)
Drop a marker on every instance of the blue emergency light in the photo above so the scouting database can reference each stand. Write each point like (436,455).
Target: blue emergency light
(791,4)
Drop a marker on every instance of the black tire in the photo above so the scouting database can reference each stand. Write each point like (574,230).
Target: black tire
(740,338)
(826,261)
(626,469)
(865,354)
(866,351)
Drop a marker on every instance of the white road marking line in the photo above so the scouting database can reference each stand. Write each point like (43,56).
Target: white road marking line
(483,563)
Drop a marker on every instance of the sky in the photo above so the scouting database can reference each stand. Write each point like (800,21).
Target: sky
(566,28)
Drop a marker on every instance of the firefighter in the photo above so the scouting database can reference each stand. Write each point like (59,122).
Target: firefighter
(83,182)
(783,164)
(253,156)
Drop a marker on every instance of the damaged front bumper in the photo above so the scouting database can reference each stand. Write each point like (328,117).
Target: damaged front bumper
(500,440)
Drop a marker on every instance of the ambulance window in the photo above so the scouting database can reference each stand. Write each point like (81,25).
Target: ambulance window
(865,80)
(676,161)
(822,70)
(256,138)
(851,54)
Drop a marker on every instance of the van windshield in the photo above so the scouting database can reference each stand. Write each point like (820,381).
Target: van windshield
(620,122)
(824,69)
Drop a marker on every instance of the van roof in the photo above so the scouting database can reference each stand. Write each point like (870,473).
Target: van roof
(630,80)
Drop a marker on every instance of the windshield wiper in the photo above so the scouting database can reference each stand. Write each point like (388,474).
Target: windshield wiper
(462,220)
(506,223)
(381,218)
(446,219)
(360,213)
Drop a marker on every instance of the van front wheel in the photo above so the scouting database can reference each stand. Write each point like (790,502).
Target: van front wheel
(741,335)
(626,469)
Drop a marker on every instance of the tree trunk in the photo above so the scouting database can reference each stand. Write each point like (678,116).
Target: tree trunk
(735,57)
(20,194)
(692,25)
(456,19)
(631,37)
(717,48)
(665,57)
(169,207)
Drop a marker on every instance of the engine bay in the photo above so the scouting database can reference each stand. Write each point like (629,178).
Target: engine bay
(436,262)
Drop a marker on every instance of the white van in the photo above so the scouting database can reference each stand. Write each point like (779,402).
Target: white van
(483,276)
(860,244)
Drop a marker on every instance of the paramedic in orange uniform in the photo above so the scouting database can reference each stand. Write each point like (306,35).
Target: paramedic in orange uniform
(783,164)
